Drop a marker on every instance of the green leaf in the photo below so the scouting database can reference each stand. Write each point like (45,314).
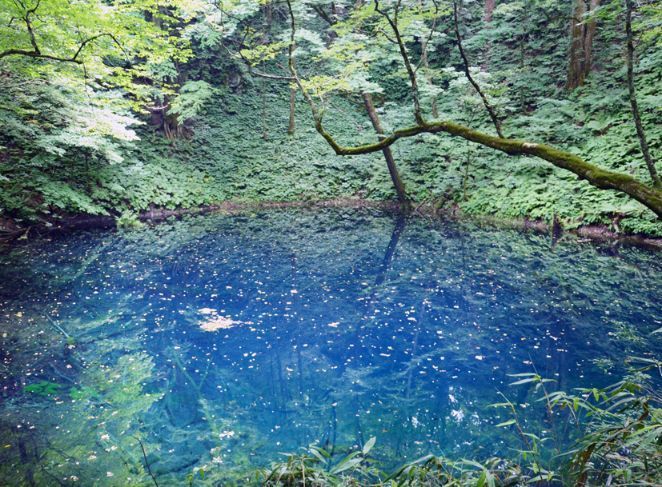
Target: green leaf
(368,445)
(506,423)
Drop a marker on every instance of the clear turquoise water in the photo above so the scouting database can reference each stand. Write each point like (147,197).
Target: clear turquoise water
(218,342)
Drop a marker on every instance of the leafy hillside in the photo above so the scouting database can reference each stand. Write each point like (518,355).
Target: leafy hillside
(189,123)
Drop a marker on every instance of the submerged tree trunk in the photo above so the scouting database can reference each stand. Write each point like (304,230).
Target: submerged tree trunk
(650,163)
(400,223)
(293,100)
(388,155)
(582,32)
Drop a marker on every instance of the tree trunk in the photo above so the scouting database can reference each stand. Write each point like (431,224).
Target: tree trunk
(575,71)
(650,163)
(426,65)
(388,155)
(589,34)
(489,10)
(268,21)
(582,33)
(293,101)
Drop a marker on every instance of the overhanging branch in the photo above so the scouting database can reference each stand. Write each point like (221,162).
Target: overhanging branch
(36,53)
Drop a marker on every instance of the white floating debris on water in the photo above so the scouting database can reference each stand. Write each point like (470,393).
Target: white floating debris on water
(457,415)
(219,323)
(207,311)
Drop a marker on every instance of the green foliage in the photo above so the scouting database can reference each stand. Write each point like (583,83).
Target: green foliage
(316,467)
(102,420)
(619,442)
(63,37)
(91,140)
(128,220)
(43,388)
(191,99)
(82,393)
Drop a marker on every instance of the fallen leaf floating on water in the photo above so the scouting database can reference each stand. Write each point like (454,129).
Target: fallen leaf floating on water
(219,323)
(207,311)
(458,415)
(226,434)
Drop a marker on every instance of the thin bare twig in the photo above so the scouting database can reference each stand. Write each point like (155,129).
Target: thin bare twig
(641,134)
(149,469)
(467,72)
(393,22)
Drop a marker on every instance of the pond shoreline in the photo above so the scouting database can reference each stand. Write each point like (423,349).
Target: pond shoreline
(11,231)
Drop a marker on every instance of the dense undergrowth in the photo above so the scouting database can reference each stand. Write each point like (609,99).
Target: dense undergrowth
(78,147)
(617,435)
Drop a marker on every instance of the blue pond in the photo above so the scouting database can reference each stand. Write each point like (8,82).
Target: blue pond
(219,342)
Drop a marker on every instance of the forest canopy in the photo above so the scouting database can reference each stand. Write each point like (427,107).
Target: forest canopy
(533,108)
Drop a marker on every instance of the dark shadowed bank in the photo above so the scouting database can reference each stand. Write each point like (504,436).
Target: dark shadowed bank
(12,231)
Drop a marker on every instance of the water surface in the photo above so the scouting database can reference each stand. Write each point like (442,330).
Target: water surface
(218,342)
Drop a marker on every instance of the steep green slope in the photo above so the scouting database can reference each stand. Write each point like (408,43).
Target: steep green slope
(65,149)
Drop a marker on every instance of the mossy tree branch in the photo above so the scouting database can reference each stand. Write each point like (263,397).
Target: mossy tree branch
(596,176)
